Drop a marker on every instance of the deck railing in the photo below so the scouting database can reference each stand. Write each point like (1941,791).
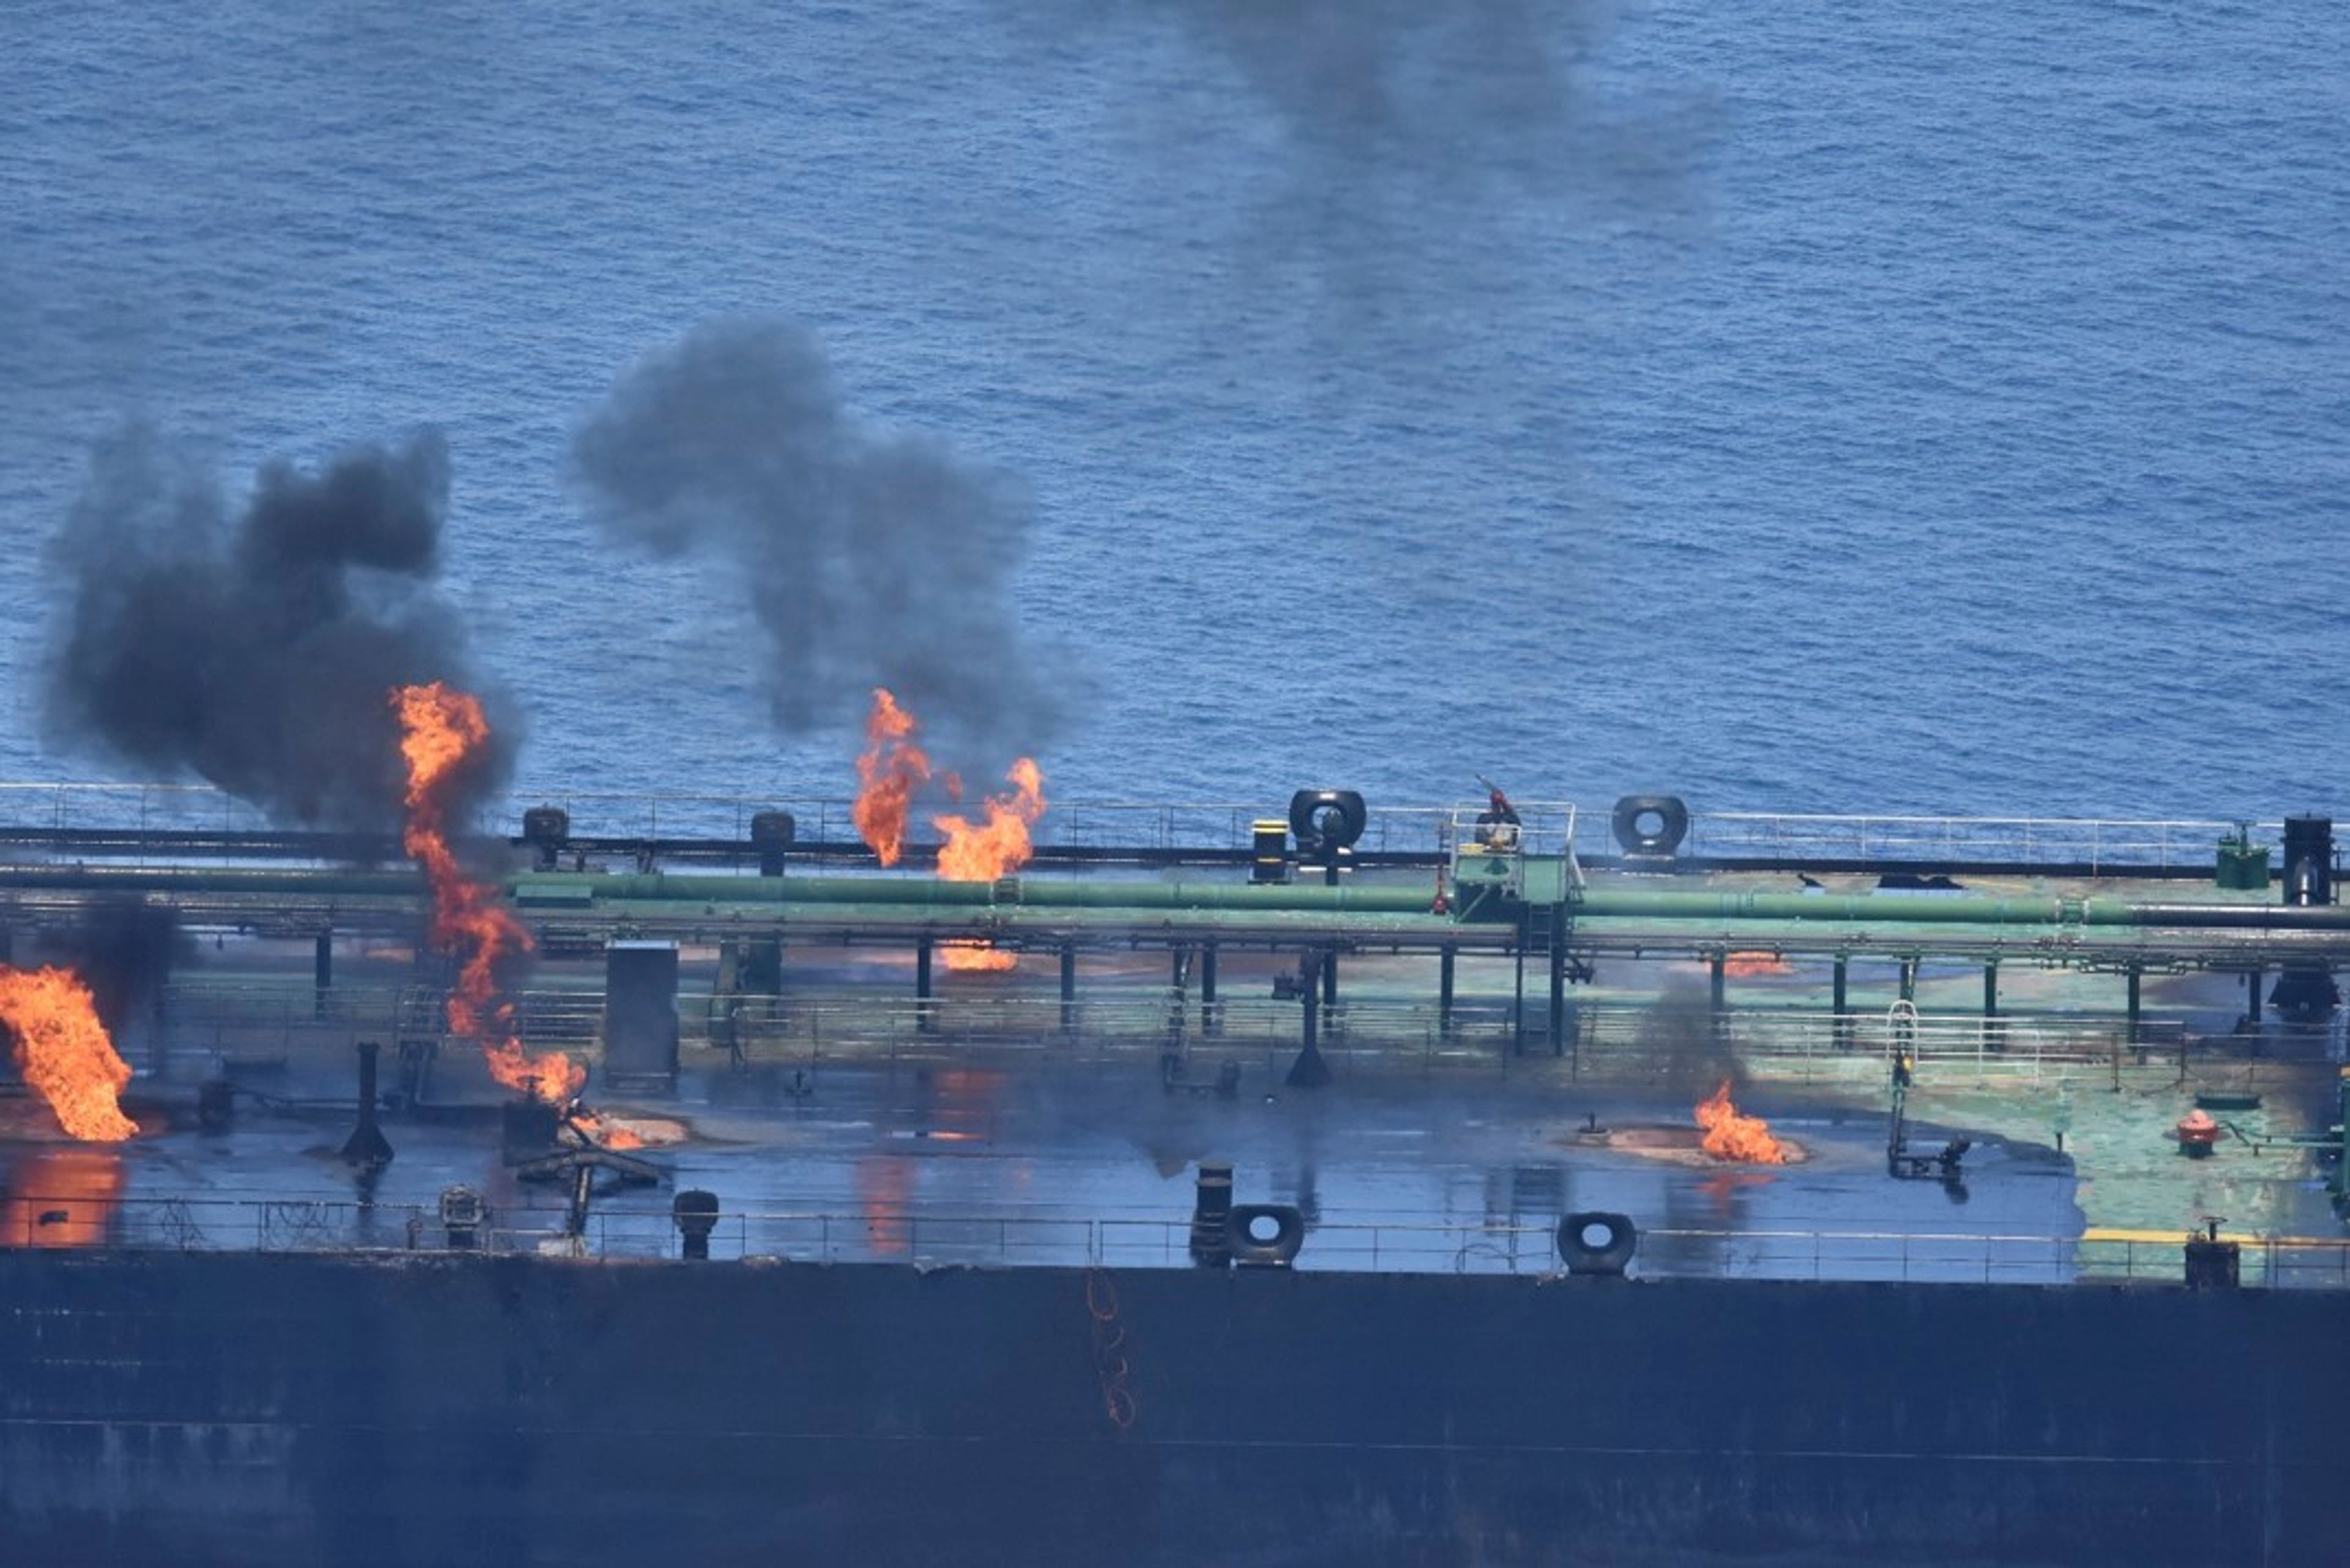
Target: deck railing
(2178,843)
(1500,1245)
(248,1021)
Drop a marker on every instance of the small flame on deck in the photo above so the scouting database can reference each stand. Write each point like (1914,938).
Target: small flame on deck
(64,1051)
(1730,1134)
(607,1133)
(996,846)
(888,771)
(1750,966)
(441,731)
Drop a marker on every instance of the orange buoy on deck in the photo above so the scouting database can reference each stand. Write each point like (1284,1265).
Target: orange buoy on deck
(2197,1133)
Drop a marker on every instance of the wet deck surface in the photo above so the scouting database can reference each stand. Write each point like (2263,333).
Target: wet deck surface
(973,1147)
(983,1165)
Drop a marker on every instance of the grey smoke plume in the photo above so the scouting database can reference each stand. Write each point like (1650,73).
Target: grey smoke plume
(1397,84)
(1416,165)
(870,559)
(1412,102)
(259,653)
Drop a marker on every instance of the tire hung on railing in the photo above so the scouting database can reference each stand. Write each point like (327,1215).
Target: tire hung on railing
(1651,825)
(1596,1242)
(1265,1235)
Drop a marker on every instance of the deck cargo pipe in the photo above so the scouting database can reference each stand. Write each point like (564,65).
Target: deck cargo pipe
(1056,893)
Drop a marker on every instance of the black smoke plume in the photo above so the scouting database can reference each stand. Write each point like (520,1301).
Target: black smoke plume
(870,558)
(123,950)
(1680,1043)
(259,653)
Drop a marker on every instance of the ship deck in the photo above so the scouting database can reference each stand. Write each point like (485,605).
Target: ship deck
(858,1101)
(974,1131)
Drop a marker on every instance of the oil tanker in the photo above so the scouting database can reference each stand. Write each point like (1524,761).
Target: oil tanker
(1342,1186)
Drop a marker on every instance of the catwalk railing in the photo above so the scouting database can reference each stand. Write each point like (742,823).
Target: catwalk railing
(2092,843)
(247,1022)
(1517,1244)
(2184,845)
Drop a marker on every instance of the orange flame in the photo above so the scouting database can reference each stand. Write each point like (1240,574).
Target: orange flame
(441,732)
(553,1076)
(62,1197)
(887,770)
(1732,1135)
(1748,966)
(978,958)
(606,1133)
(64,1051)
(982,851)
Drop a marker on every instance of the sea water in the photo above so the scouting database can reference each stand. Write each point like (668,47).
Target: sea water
(1826,407)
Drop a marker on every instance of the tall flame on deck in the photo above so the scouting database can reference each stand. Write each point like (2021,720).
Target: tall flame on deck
(64,1051)
(440,729)
(1731,1134)
(996,846)
(888,771)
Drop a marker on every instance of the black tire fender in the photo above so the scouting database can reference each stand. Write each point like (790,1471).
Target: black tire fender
(1278,1252)
(1606,1255)
(1672,824)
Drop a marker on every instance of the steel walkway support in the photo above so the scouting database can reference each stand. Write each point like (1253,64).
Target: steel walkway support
(1718,980)
(1310,1071)
(1447,957)
(1558,980)
(322,963)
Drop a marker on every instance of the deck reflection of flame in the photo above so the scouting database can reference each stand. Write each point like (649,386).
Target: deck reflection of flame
(885,1189)
(1730,1134)
(61,1198)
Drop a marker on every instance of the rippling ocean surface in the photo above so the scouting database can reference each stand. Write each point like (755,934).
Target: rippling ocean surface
(1897,407)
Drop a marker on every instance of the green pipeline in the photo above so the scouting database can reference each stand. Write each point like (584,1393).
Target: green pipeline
(931,893)
(1058,893)
(1933,909)
(566,890)
(571,890)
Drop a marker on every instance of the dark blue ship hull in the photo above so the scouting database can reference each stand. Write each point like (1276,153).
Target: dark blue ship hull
(437,1410)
